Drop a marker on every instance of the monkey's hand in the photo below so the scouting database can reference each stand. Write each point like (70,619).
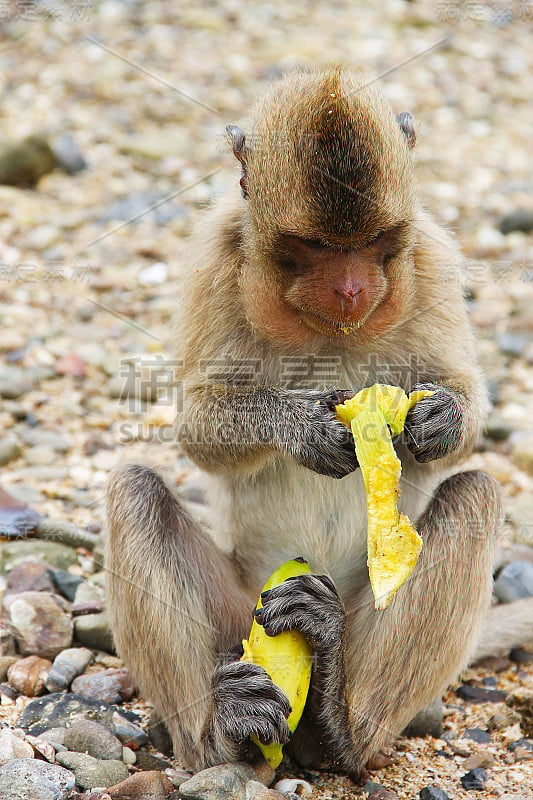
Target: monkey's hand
(434,424)
(309,604)
(248,703)
(322,443)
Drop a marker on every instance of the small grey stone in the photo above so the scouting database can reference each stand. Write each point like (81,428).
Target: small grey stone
(10,390)
(514,582)
(217,783)
(91,771)
(475,779)
(428,721)
(87,592)
(86,736)
(68,154)
(498,428)
(512,343)
(94,631)
(55,737)
(177,776)
(66,583)
(432,793)
(9,450)
(35,437)
(38,622)
(67,665)
(128,732)
(477,735)
(25,779)
(109,686)
(521,219)
(147,761)
(60,530)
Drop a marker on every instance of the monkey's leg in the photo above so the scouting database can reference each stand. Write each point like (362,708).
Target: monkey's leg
(397,660)
(175,608)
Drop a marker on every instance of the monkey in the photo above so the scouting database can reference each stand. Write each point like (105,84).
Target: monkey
(322,275)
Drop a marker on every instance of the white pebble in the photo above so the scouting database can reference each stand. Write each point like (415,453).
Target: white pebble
(153,275)
(291,785)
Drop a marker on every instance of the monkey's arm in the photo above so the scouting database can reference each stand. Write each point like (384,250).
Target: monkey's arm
(229,428)
(440,338)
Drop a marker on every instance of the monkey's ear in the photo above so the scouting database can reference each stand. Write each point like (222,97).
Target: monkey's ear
(237,140)
(407,125)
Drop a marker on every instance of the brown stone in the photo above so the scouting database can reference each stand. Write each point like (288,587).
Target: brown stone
(28,675)
(480,759)
(38,622)
(29,576)
(142,786)
(108,686)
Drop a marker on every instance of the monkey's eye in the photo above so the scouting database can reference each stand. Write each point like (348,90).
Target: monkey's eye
(314,244)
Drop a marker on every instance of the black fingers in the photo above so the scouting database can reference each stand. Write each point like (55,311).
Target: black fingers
(434,425)
(307,603)
(247,703)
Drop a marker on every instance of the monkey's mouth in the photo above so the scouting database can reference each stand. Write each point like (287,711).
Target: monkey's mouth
(331,327)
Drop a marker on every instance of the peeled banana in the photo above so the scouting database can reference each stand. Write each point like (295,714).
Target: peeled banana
(287,658)
(393,543)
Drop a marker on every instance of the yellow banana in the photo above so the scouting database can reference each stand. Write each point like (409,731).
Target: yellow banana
(286,657)
(393,543)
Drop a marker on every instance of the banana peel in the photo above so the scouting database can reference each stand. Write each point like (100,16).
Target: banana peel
(287,658)
(393,542)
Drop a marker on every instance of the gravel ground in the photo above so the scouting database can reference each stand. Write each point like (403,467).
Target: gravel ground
(89,262)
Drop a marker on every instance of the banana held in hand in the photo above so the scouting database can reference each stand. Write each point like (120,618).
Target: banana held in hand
(393,543)
(287,658)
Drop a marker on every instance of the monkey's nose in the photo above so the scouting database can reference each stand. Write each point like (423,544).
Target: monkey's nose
(348,293)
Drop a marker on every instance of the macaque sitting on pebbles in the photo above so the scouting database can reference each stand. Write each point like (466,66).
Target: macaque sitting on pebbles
(321,275)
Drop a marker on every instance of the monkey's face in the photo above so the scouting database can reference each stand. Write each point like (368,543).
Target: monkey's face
(334,290)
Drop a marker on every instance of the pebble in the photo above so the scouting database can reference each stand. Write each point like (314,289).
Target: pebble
(520,516)
(140,207)
(512,343)
(147,762)
(35,437)
(383,794)
(109,686)
(257,791)
(128,756)
(433,793)
(59,710)
(521,219)
(142,786)
(154,275)
(30,576)
(428,721)
(67,665)
(476,694)
(39,623)
(9,450)
(523,744)
(521,699)
(39,456)
(94,631)
(296,785)
(16,520)
(12,746)
(521,656)
(514,582)
(86,736)
(177,776)
(67,153)
(66,583)
(60,530)
(5,663)
(494,663)
(11,390)
(54,736)
(522,452)
(91,771)
(41,748)
(28,675)
(498,429)
(35,780)
(52,553)
(220,782)
(480,759)
(477,735)
(476,779)
(502,719)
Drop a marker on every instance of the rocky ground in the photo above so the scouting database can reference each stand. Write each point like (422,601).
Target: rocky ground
(88,268)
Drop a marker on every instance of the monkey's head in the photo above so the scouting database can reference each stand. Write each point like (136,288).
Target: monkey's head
(327,179)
